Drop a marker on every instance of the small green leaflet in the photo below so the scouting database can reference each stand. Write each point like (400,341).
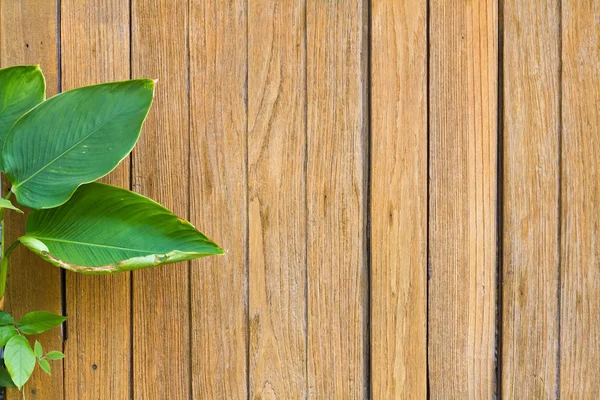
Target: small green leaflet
(6,318)
(19,359)
(37,349)
(39,321)
(21,89)
(45,365)
(5,203)
(55,355)
(6,333)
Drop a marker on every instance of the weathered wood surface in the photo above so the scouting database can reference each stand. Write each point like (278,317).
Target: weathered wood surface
(580,201)
(98,354)
(398,199)
(218,184)
(277,198)
(462,199)
(160,170)
(531,199)
(406,190)
(336,186)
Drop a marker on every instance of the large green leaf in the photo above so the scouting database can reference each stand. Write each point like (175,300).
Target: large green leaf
(21,89)
(19,360)
(103,229)
(74,138)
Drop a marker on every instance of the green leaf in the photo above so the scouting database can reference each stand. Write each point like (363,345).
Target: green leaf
(103,229)
(55,355)
(21,89)
(5,203)
(37,349)
(45,365)
(6,333)
(73,138)
(6,318)
(19,359)
(5,379)
(39,321)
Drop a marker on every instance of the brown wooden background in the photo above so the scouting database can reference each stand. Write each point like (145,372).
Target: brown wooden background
(409,193)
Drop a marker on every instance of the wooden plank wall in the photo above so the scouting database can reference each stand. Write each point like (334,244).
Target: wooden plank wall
(99,351)
(530,336)
(29,35)
(462,198)
(407,192)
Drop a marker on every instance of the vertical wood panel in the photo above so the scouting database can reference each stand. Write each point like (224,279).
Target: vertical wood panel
(463,92)
(531,161)
(580,261)
(95,49)
(336,196)
(161,343)
(28,34)
(218,184)
(277,206)
(398,199)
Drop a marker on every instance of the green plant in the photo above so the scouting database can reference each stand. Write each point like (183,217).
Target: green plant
(52,152)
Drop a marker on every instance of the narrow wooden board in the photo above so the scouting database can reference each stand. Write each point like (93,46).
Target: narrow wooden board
(337,137)
(218,187)
(98,348)
(580,198)
(28,36)
(277,198)
(531,175)
(161,318)
(463,173)
(398,199)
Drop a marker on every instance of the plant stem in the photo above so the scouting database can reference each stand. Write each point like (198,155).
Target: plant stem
(11,248)
(4,261)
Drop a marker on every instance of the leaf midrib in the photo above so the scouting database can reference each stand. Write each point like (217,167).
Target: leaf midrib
(66,151)
(92,244)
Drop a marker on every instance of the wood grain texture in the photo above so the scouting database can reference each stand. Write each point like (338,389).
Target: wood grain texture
(336,182)
(277,202)
(98,348)
(580,198)
(463,168)
(218,184)
(531,174)
(161,318)
(398,199)
(28,36)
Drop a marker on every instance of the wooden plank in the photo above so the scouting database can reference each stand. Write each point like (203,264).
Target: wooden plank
(398,199)
(531,173)
(218,184)
(580,198)
(463,168)
(161,343)
(98,348)
(336,183)
(277,202)
(28,36)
